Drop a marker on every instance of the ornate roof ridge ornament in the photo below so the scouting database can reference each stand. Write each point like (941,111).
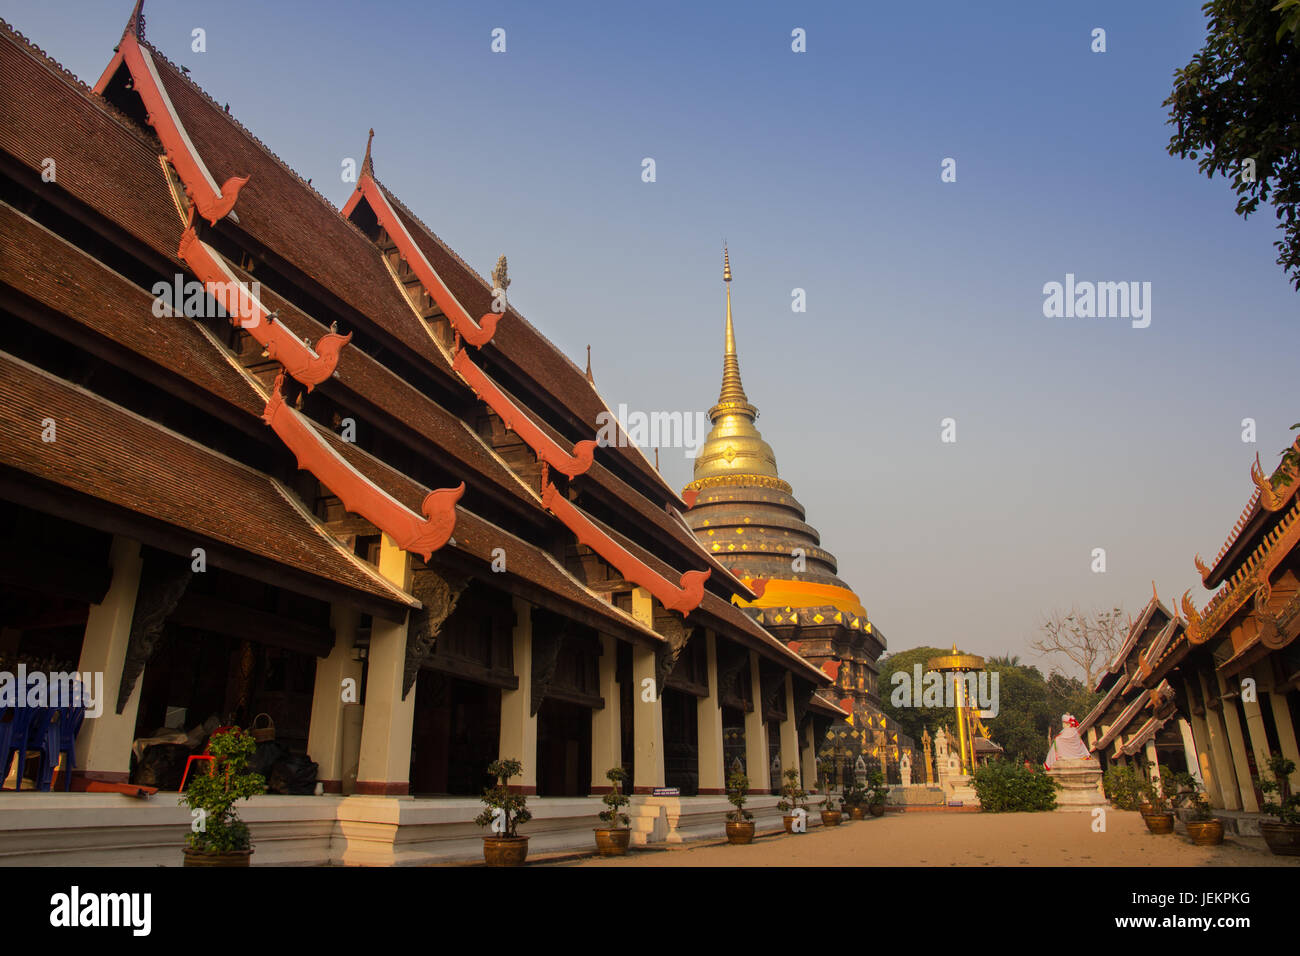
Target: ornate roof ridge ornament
(476,334)
(683,599)
(358,493)
(518,421)
(308,366)
(212,201)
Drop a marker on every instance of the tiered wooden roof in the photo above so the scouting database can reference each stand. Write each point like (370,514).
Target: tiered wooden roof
(154,178)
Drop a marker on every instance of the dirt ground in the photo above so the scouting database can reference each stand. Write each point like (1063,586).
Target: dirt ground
(965,839)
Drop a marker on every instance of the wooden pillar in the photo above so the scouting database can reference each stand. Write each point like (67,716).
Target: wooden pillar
(1237,743)
(1220,753)
(104,742)
(1204,755)
(708,721)
(756,757)
(385,766)
(518,738)
(1286,733)
(338,687)
(606,728)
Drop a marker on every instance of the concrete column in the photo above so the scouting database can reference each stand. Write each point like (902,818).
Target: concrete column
(808,758)
(606,729)
(1189,750)
(708,720)
(756,735)
(1220,753)
(518,723)
(647,706)
(104,742)
(647,722)
(385,766)
(1256,735)
(338,686)
(1204,756)
(1237,743)
(789,732)
(1286,733)
(1153,765)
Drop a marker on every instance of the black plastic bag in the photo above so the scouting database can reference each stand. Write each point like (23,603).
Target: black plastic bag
(295,774)
(162,766)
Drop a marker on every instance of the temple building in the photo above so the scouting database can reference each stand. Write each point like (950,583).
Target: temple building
(1137,721)
(749,518)
(1235,663)
(268,459)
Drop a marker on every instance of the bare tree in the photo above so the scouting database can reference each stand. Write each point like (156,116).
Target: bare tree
(1085,639)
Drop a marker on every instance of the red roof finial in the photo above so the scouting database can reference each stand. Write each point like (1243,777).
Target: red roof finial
(135,25)
(367,167)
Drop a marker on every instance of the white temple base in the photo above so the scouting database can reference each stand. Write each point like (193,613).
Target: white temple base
(1080,782)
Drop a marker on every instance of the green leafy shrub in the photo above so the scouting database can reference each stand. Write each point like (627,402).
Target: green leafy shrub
(215,793)
(738,795)
(877,789)
(1123,786)
(1287,806)
(1005,786)
(615,800)
(499,797)
(793,796)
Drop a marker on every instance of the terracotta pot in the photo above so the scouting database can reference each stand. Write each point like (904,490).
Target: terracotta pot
(857,813)
(1282,838)
(1159,822)
(1205,832)
(877,809)
(789,823)
(505,851)
(740,833)
(832,818)
(208,858)
(612,841)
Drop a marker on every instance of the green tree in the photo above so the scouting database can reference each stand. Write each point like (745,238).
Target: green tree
(914,719)
(1236,107)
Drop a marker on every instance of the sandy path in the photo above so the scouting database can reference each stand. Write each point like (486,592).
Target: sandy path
(966,839)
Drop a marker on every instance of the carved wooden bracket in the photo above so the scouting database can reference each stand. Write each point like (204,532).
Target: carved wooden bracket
(730,663)
(163,580)
(770,683)
(547,644)
(439,594)
(669,653)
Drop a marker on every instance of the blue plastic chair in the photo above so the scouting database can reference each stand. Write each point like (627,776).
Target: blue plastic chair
(60,738)
(19,732)
(39,740)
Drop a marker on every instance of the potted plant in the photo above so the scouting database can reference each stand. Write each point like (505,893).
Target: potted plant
(740,822)
(218,837)
(1159,817)
(831,815)
(1283,836)
(877,790)
(1203,826)
(793,799)
(855,799)
(506,809)
(612,840)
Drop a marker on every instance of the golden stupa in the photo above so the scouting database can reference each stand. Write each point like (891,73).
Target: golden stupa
(746,515)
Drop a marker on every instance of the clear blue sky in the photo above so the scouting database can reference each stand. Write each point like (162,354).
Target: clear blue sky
(821,169)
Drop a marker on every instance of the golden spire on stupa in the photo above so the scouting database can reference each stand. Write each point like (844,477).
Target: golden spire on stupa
(734,445)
